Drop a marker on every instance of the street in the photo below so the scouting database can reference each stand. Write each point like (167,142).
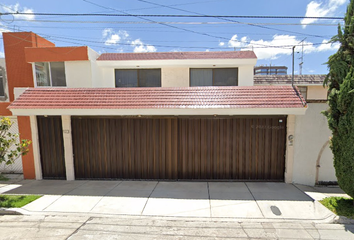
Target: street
(136,227)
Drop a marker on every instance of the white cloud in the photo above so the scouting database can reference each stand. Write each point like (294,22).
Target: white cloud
(112,37)
(18,8)
(320,9)
(221,44)
(139,46)
(279,45)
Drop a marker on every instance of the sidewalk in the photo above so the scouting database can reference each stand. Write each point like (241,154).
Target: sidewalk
(216,200)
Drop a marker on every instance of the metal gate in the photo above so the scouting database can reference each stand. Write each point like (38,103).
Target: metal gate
(245,148)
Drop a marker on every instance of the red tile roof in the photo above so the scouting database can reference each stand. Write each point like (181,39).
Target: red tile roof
(159,98)
(286,79)
(176,55)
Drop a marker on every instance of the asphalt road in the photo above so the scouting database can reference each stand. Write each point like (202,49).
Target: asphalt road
(127,227)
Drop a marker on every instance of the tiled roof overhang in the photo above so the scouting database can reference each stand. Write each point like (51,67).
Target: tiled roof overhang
(259,100)
(177,55)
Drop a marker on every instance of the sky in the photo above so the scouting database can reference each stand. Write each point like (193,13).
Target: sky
(270,38)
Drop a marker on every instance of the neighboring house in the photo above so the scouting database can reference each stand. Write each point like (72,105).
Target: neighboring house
(270,70)
(175,115)
(313,159)
(4,99)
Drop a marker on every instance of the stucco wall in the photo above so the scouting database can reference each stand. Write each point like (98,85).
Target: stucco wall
(311,134)
(175,77)
(316,93)
(78,74)
(245,76)
(170,76)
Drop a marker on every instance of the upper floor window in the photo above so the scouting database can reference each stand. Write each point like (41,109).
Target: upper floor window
(213,77)
(2,83)
(50,74)
(138,77)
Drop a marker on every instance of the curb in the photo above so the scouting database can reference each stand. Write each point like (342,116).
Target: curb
(9,211)
(343,220)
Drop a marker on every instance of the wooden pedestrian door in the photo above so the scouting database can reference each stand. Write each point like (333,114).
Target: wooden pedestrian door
(51,147)
(244,148)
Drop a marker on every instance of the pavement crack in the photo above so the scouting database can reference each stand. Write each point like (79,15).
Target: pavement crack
(255,200)
(211,215)
(148,198)
(77,229)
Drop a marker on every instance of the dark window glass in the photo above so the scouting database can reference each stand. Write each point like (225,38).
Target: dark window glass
(2,89)
(201,77)
(149,77)
(225,77)
(126,78)
(138,77)
(57,70)
(214,77)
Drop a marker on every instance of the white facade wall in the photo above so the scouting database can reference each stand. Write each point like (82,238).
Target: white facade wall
(170,76)
(175,77)
(311,135)
(245,76)
(78,74)
(316,93)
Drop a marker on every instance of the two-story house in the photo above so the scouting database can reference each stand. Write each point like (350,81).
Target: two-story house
(173,115)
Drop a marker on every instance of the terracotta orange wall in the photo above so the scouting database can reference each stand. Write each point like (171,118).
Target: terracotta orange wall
(56,54)
(19,74)
(3,109)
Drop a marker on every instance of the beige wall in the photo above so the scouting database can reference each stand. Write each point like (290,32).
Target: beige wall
(78,74)
(316,93)
(311,134)
(245,76)
(175,77)
(170,76)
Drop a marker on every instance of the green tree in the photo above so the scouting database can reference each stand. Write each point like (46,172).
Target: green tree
(10,146)
(340,114)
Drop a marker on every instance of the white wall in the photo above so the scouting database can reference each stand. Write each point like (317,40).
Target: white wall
(78,74)
(170,76)
(175,77)
(316,93)
(245,76)
(311,134)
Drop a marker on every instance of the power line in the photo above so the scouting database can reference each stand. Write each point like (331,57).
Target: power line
(223,18)
(167,15)
(174,23)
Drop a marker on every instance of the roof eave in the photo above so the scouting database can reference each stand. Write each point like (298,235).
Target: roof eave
(162,112)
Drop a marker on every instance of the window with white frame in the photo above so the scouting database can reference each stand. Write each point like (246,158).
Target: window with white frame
(213,77)
(50,74)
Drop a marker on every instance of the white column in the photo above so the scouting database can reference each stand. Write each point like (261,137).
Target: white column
(68,148)
(35,146)
(289,156)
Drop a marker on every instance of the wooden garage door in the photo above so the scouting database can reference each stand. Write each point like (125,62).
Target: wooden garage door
(51,147)
(179,148)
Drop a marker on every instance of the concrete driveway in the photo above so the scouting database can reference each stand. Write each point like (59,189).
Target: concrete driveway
(251,200)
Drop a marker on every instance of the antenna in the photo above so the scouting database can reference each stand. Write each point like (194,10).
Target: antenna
(302,56)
